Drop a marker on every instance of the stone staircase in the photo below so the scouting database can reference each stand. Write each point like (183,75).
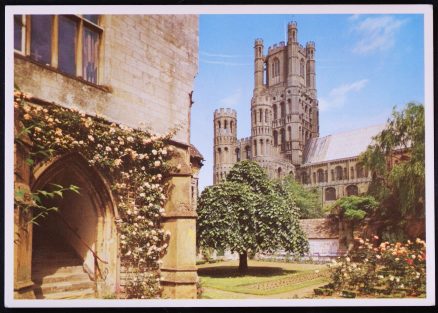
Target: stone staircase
(58,272)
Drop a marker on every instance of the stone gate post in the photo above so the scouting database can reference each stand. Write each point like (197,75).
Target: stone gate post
(22,227)
(179,272)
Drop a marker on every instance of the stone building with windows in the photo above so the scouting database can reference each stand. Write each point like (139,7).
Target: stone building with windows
(134,70)
(285,126)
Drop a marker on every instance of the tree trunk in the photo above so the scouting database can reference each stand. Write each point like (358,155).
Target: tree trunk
(243,262)
(346,238)
(349,229)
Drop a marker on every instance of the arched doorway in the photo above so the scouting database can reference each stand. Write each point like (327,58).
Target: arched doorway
(78,244)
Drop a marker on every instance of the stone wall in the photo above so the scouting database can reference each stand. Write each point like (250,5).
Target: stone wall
(147,68)
(350,177)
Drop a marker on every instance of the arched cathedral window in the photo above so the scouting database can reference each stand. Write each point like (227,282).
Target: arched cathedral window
(282,110)
(276,67)
(338,170)
(302,67)
(320,176)
(352,190)
(330,194)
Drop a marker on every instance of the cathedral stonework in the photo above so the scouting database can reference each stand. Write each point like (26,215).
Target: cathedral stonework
(285,126)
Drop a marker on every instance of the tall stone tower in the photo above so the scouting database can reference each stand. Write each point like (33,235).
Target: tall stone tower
(225,140)
(261,113)
(291,92)
(284,111)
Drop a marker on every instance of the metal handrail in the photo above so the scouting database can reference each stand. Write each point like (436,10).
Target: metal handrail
(96,257)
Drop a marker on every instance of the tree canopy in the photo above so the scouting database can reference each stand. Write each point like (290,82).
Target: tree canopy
(354,208)
(246,214)
(397,161)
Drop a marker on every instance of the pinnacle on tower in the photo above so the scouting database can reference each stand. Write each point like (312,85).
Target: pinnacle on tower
(292,31)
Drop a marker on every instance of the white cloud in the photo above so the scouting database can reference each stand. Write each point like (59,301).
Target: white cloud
(226,63)
(376,33)
(232,99)
(219,55)
(338,96)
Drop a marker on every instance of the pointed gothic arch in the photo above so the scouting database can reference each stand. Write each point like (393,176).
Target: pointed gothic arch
(85,222)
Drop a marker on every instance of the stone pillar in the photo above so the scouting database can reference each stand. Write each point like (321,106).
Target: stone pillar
(22,227)
(179,271)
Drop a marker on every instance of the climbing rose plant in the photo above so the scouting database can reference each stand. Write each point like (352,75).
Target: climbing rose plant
(134,163)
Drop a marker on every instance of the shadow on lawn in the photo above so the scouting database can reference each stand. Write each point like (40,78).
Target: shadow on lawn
(233,271)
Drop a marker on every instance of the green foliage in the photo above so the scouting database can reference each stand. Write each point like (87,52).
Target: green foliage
(397,269)
(354,208)
(399,188)
(247,214)
(33,201)
(251,174)
(307,200)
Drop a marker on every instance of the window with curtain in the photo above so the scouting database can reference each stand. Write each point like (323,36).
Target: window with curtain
(69,43)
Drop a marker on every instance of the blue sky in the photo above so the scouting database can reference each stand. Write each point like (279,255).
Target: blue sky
(365,65)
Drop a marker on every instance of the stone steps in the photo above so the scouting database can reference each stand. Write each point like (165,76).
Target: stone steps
(81,294)
(64,286)
(58,272)
(46,271)
(60,277)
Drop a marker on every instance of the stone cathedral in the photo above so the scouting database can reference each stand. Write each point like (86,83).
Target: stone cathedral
(285,126)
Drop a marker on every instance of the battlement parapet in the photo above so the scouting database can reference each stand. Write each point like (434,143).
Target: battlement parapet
(276,47)
(244,140)
(258,41)
(310,44)
(292,24)
(225,112)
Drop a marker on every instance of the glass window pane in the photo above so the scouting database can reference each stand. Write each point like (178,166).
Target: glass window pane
(18,31)
(92,18)
(90,55)
(40,38)
(67,45)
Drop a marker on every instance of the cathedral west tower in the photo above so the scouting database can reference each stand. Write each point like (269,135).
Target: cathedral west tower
(284,109)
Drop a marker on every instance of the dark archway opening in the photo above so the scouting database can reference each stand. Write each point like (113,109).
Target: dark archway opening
(67,241)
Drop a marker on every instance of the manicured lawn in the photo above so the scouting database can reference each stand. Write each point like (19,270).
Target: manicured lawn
(263,280)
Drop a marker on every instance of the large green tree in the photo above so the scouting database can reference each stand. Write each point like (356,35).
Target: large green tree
(246,214)
(397,161)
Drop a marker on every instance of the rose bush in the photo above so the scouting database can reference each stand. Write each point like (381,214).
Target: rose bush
(373,268)
(132,160)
